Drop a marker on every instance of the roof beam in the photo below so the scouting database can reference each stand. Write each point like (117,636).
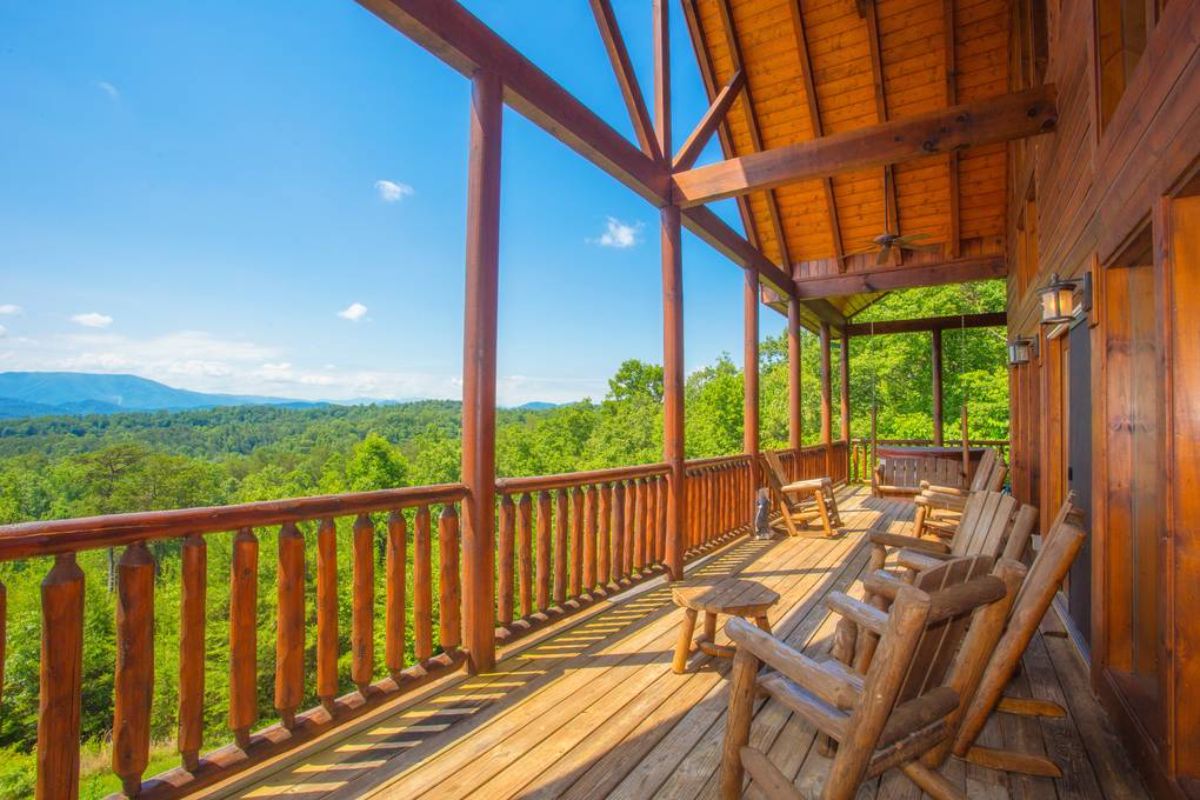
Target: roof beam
(818,129)
(635,103)
(1013,116)
(991,319)
(960,271)
(452,33)
(735,52)
(712,119)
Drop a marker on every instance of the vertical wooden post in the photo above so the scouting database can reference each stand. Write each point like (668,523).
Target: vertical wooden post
(289,622)
(134,674)
(60,680)
(479,369)
(194,579)
(826,398)
(936,360)
(844,397)
(243,637)
(327,614)
(672,274)
(750,293)
(795,387)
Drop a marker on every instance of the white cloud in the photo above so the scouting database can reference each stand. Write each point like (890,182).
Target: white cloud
(92,319)
(391,191)
(10,309)
(353,312)
(3,331)
(618,234)
(109,89)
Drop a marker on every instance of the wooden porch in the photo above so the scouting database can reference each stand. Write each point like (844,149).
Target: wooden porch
(591,708)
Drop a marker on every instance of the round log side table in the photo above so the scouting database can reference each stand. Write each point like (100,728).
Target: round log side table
(732,597)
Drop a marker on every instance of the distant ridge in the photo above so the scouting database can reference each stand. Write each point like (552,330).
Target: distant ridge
(38,394)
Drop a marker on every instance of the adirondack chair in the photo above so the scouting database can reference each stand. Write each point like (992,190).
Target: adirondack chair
(803,502)
(893,715)
(992,525)
(939,508)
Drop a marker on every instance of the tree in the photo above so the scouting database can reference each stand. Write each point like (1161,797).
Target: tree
(375,464)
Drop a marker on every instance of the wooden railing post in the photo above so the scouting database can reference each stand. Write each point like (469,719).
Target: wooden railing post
(362,604)
(479,369)
(289,637)
(795,385)
(826,398)
(243,637)
(396,566)
(134,677)
(327,613)
(750,439)
(844,395)
(192,650)
(61,680)
(936,362)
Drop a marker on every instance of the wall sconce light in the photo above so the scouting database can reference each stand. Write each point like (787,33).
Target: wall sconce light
(1058,301)
(1022,350)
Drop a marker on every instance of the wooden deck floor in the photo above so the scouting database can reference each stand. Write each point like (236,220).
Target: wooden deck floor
(592,709)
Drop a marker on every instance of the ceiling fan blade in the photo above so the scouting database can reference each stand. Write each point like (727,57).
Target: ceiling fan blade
(924,248)
(885,253)
(912,237)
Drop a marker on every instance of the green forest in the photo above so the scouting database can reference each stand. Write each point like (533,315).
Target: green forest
(62,467)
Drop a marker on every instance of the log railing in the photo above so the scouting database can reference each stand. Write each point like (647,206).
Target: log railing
(862,461)
(386,561)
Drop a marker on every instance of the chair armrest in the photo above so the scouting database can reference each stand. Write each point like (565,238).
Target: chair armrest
(884,584)
(955,490)
(857,611)
(830,684)
(907,542)
(940,500)
(920,561)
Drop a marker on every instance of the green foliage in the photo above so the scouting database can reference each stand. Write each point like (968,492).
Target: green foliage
(70,467)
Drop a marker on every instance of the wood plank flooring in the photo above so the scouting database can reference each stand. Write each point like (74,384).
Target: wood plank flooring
(592,709)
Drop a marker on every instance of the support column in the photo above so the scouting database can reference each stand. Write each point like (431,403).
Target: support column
(750,423)
(479,370)
(795,386)
(844,365)
(826,397)
(936,360)
(672,277)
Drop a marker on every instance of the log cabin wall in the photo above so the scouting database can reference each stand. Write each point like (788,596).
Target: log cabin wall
(1114,194)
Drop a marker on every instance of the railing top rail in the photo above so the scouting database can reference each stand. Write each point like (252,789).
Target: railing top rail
(569,479)
(698,463)
(53,537)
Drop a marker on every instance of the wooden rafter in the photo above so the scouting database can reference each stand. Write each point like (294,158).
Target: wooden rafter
(1012,116)
(884,280)
(952,99)
(635,103)
(987,319)
(814,116)
(712,119)
(871,14)
(735,52)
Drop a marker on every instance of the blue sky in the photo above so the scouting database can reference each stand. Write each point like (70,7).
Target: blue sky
(269,197)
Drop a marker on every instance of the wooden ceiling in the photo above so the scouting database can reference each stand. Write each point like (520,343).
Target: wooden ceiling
(815,68)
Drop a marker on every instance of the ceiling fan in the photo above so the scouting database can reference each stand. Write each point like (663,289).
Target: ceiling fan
(886,241)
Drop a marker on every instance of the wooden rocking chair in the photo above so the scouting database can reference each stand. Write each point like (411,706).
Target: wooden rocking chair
(992,526)
(894,715)
(939,508)
(803,502)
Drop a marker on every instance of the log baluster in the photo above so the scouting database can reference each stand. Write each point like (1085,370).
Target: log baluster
(661,548)
(422,586)
(504,559)
(194,575)
(589,539)
(450,590)
(604,574)
(652,521)
(637,499)
(396,564)
(289,636)
(577,541)
(243,633)
(525,553)
(618,532)
(630,526)
(327,614)
(134,676)
(362,604)
(560,547)
(543,550)
(60,680)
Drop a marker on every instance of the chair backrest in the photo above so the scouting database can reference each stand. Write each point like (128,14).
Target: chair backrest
(905,690)
(1033,598)
(777,478)
(985,525)
(989,474)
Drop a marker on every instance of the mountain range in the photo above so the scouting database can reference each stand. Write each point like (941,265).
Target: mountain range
(42,394)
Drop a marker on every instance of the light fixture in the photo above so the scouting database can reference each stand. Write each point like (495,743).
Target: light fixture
(1022,350)
(1058,301)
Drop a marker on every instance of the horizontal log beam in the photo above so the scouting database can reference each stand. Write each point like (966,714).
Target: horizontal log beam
(453,34)
(991,319)
(1013,116)
(961,271)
